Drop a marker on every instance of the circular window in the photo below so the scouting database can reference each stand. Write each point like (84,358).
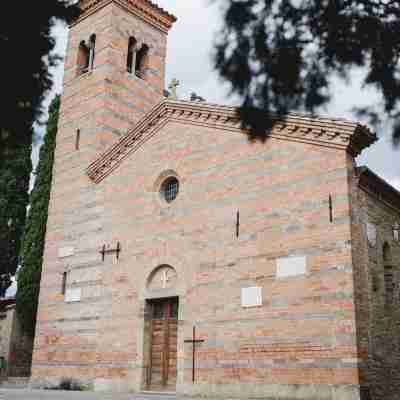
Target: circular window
(170,189)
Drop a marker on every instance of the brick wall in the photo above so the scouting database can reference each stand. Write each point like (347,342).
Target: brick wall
(304,332)
(299,342)
(302,336)
(102,104)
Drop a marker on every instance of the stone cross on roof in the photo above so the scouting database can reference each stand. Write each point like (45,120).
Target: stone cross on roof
(172,87)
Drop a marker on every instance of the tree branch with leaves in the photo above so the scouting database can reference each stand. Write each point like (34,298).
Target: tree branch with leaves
(279,55)
(27,48)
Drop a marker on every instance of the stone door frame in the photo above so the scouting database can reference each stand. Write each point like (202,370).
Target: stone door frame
(145,295)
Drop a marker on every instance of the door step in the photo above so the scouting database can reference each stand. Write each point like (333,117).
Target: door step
(158,393)
(15,383)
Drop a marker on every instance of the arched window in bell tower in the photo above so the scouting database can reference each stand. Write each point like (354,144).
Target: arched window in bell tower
(142,61)
(83,58)
(131,59)
(92,50)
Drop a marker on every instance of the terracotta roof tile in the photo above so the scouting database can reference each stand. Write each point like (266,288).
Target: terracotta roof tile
(148,8)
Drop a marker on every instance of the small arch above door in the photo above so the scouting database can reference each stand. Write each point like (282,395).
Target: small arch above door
(163,277)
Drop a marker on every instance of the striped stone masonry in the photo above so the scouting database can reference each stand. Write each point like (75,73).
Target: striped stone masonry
(263,249)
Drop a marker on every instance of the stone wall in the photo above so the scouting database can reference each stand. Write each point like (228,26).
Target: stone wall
(15,347)
(376,210)
(6,327)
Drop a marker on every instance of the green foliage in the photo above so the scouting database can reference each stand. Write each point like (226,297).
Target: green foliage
(69,384)
(15,169)
(26,47)
(35,231)
(279,55)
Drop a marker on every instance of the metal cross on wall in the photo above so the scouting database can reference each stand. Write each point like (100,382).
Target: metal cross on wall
(106,250)
(194,341)
(330,208)
(237,224)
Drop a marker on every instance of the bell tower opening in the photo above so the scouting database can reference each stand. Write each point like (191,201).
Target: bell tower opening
(142,61)
(83,59)
(114,70)
(131,59)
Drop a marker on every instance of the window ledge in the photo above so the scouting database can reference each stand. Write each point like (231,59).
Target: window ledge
(84,75)
(133,75)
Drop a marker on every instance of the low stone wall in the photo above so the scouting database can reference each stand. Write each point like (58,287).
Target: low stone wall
(15,347)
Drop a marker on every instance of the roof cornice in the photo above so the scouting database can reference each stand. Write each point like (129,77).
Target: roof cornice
(144,9)
(378,187)
(326,132)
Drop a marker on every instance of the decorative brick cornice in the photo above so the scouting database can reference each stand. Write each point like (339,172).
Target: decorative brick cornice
(334,133)
(145,9)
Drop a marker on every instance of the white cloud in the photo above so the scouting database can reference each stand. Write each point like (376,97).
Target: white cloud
(12,290)
(395,183)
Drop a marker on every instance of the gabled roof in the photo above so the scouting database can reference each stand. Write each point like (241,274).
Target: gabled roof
(335,133)
(378,187)
(145,9)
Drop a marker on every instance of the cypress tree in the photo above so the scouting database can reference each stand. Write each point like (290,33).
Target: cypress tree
(15,169)
(35,231)
(27,46)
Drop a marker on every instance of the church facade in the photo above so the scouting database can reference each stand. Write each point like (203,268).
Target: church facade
(181,257)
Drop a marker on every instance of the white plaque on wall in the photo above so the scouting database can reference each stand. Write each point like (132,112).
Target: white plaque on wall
(64,252)
(251,297)
(371,234)
(73,295)
(291,266)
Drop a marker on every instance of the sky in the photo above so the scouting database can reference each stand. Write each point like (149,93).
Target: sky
(190,49)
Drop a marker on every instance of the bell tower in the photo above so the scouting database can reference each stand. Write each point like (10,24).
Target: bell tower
(114,71)
(114,74)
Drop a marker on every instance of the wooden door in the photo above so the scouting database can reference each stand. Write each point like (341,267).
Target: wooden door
(163,348)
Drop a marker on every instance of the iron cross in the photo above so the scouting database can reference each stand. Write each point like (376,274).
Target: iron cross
(237,224)
(194,341)
(106,250)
